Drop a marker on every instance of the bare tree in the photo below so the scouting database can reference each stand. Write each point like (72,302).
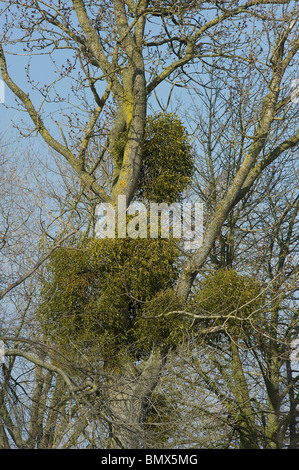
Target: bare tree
(112,56)
(244,374)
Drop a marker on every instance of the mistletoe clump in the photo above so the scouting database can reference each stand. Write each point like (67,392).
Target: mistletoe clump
(167,159)
(116,297)
(230,300)
(111,297)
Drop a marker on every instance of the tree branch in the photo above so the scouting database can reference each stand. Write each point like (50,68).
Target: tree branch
(36,266)
(85,177)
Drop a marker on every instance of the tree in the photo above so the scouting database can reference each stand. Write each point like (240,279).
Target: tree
(258,238)
(113,66)
(239,361)
(247,364)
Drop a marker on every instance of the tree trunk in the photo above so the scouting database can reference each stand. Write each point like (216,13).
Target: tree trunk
(129,396)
